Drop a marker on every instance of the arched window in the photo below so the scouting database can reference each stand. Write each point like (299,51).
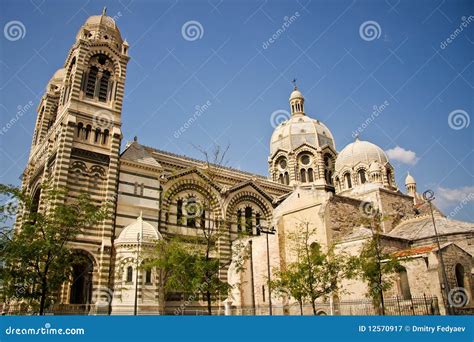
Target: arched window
(389,177)
(362,177)
(347,178)
(403,285)
(287,178)
(248,220)
(80,126)
(179,212)
(104,86)
(191,211)
(105,136)
(257,219)
(239,220)
(280,179)
(91,81)
(310,175)
(148,277)
(88,131)
(338,183)
(303,175)
(129,274)
(35,201)
(97,135)
(459,272)
(330,177)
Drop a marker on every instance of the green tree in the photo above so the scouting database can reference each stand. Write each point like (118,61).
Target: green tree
(288,283)
(315,273)
(375,266)
(37,254)
(173,260)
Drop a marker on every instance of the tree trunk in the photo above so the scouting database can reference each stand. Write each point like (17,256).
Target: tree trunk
(209,307)
(313,304)
(301,308)
(44,291)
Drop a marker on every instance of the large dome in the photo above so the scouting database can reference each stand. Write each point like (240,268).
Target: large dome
(360,152)
(296,131)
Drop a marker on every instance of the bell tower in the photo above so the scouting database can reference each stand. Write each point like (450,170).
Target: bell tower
(76,142)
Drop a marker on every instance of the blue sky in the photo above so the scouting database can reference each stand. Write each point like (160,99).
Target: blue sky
(403,64)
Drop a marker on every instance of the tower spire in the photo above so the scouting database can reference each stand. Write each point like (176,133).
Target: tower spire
(295,87)
(104,11)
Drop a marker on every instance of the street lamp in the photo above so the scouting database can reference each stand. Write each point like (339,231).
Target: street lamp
(428,196)
(267,232)
(136,276)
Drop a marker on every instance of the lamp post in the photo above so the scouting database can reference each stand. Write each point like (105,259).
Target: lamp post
(267,232)
(428,196)
(136,276)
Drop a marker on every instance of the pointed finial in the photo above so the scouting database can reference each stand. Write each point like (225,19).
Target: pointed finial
(294,83)
(356,137)
(135,138)
(104,10)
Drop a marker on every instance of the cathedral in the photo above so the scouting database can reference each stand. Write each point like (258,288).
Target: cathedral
(77,144)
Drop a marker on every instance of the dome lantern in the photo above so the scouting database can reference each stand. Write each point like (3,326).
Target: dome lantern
(410,184)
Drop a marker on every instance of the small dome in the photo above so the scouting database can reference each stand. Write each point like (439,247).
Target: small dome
(296,131)
(59,74)
(360,152)
(409,179)
(55,82)
(129,234)
(105,20)
(100,27)
(296,94)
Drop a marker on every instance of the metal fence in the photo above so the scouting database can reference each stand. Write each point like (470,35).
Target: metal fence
(422,305)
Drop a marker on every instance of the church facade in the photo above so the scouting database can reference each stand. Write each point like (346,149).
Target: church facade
(157,194)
